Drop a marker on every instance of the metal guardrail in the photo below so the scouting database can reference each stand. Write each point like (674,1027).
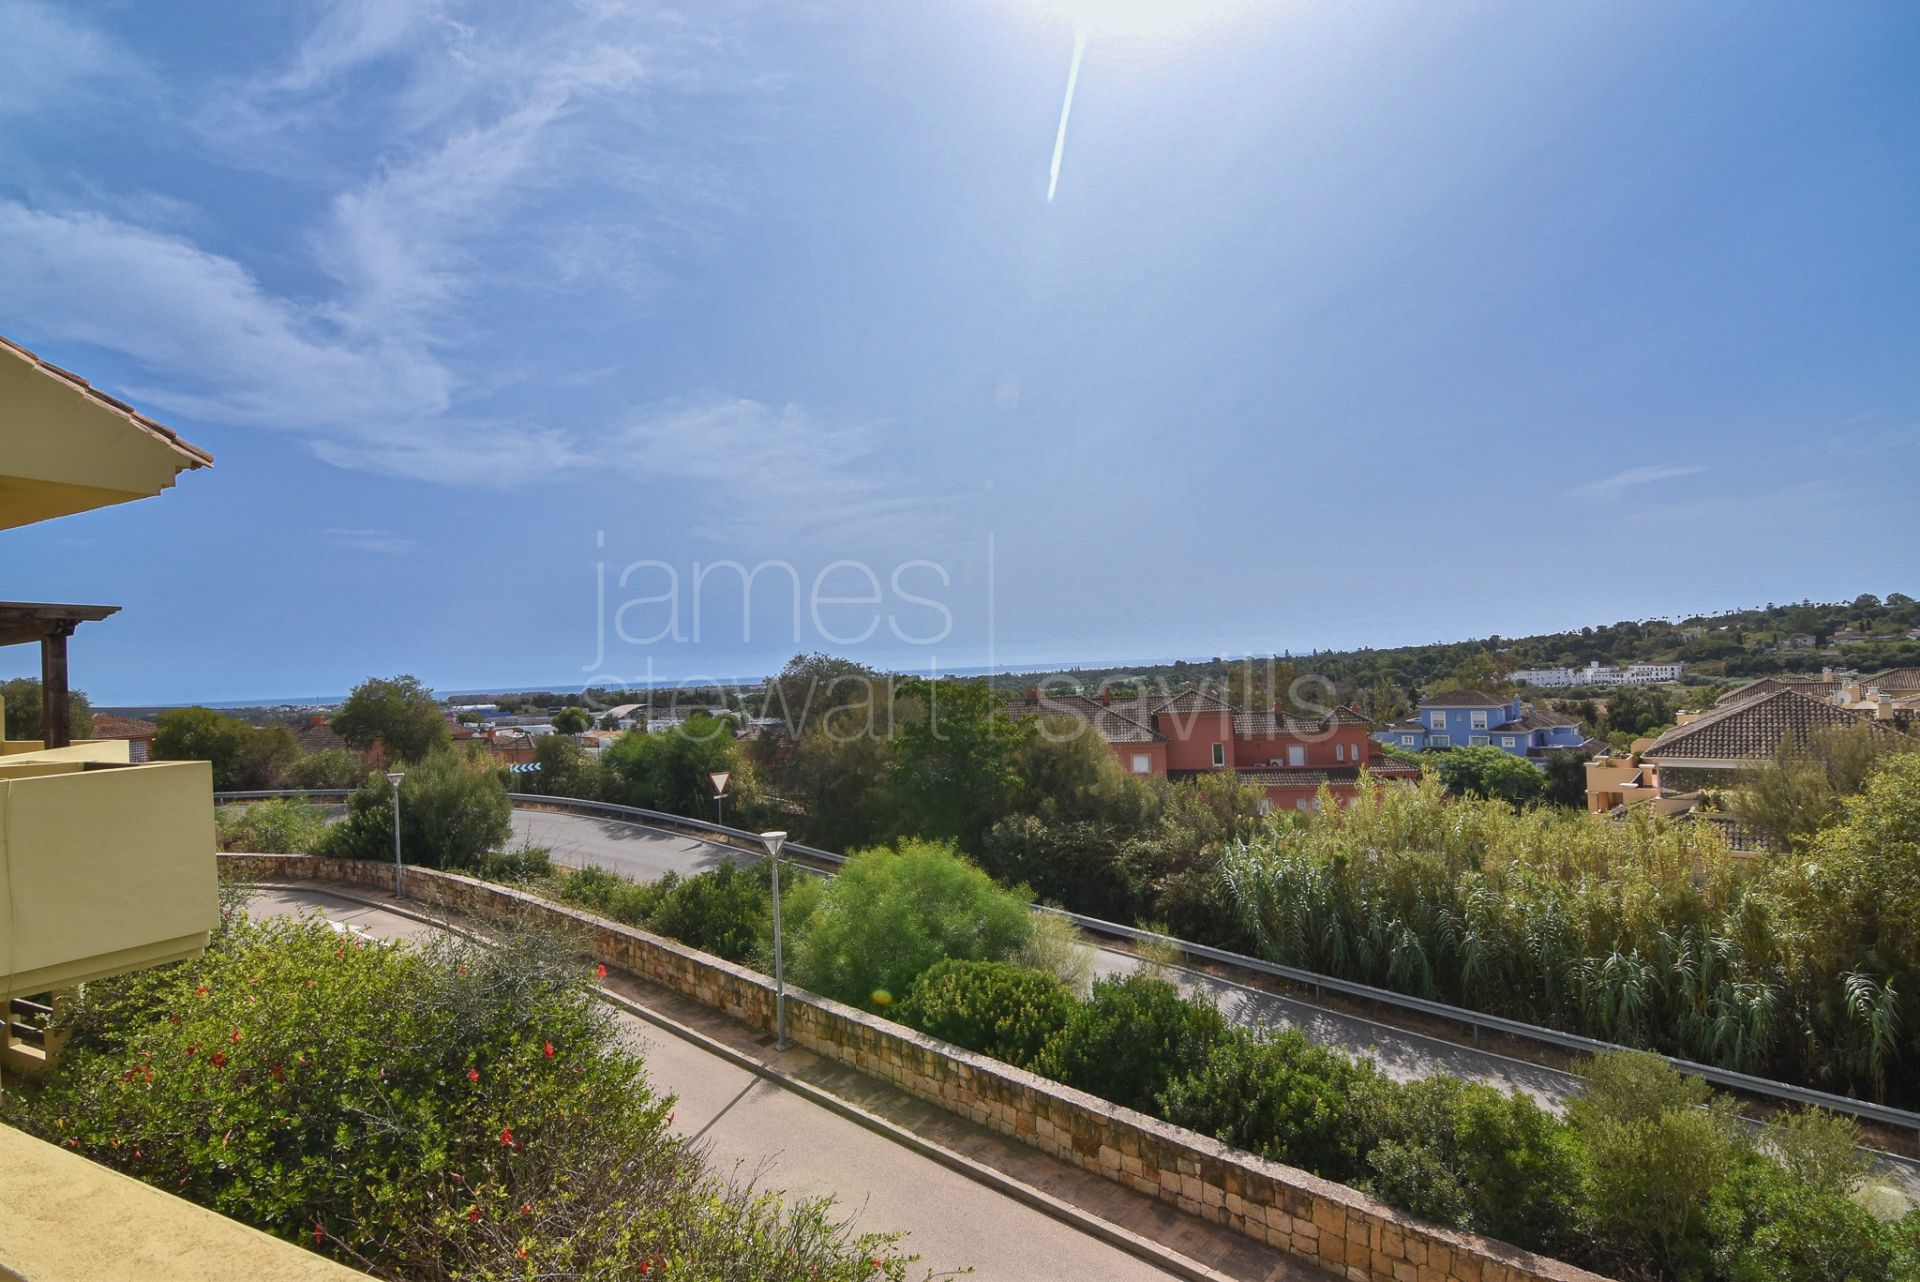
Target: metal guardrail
(1477,1021)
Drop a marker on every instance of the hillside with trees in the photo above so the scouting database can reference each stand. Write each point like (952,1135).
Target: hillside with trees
(1728,646)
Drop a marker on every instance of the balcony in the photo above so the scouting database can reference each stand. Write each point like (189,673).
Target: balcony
(104,867)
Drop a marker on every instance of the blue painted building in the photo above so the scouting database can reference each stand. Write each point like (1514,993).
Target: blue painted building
(1475,719)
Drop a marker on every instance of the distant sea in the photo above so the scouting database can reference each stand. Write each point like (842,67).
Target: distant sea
(333,700)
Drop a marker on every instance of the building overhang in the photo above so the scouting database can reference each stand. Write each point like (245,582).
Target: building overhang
(22,622)
(66,446)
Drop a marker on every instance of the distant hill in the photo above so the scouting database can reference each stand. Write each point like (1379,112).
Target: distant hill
(1729,646)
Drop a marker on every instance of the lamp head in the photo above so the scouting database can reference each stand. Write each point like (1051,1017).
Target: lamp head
(773,841)
(395,776)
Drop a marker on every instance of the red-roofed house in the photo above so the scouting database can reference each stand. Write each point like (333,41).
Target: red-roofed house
(1186,734)
(138,734)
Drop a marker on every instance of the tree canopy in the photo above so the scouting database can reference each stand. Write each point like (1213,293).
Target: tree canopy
(398,712)
(25,712)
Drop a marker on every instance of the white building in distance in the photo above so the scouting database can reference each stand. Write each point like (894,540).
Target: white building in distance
(1599,674)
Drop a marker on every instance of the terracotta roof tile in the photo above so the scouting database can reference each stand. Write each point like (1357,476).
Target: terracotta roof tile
(1464,699)
(1754,729)
(107,726)
(1109,724)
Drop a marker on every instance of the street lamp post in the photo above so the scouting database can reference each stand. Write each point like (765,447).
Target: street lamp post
(394,777)
(773,842)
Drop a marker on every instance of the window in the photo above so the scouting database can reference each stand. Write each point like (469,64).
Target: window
(1339,752)
(1506,741)
(1440,741)
(1219,754)
(1296,754)
(1406,740)
(1265,805)
(1302,803)
(1142,764)
(1478,721)
(1476,741)
(1438,720)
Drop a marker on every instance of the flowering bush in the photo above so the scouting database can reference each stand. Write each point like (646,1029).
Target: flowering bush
(452,1113)
(996,1008)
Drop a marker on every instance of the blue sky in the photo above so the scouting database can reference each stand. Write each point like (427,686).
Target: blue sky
(1349,324)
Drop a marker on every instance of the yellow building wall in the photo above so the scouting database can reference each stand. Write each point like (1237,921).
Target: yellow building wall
(105,870)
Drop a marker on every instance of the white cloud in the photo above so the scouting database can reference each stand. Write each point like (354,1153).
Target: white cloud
(770,469)
(47,55)
(385,542)
(1608,486)
(501,154)
(218,345)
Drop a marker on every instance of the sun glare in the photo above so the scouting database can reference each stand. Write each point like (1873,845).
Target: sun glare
(1136,17)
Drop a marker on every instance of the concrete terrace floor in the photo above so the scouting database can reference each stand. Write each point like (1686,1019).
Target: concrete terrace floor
(759,1130)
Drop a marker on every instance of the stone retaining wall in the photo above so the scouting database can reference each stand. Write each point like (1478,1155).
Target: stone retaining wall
(1327,1224)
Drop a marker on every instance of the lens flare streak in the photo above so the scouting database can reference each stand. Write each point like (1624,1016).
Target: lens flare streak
(1066,109)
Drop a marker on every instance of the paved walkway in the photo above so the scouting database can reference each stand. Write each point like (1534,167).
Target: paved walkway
(755,1126)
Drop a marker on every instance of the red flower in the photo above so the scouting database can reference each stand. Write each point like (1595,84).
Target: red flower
(601,970)
(526,1208)
(549,1050)
(201,991)
(506,1136)
(319,1234)
(473,1075)
(219,1059)
(474,1215)
(234,1037)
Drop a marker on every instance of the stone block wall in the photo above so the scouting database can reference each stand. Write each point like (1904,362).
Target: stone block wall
(1330,1225)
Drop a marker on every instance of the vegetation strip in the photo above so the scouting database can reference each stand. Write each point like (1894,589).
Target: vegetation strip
(1746,1083)
(1499,1155)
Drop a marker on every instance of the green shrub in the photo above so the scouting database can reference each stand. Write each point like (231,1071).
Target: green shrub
(998,1009)
(1818,1151)
(890,915)
(453,810)
(1655,1146)
(1769,1226)
(461,1113)
(724,911)
(1280,1096)
(286,826)
(328,768)
(611,895)
(1130,1039)
(1467,1155)
(524,863)
(1057,948)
